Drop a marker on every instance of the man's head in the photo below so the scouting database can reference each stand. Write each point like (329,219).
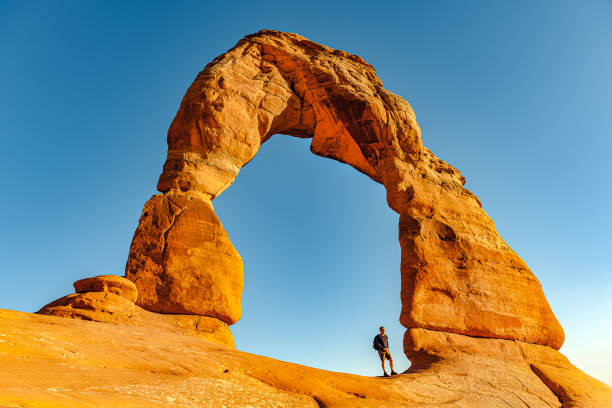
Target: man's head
(382,329)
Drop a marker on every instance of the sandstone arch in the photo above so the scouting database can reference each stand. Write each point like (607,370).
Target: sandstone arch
(458,275)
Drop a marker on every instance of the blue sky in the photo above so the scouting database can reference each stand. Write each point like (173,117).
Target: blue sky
(516,95)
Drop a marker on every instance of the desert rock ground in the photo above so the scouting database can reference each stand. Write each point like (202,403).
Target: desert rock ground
(50,361)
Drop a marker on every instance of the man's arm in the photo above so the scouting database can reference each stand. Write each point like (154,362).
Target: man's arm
(377,343)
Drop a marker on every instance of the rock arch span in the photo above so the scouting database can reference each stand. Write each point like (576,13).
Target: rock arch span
(458,275)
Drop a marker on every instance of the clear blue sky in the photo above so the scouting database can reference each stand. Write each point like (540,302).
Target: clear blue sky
(517,95)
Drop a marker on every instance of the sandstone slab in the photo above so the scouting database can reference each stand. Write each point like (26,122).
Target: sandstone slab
(107,307)
(98,306)
(110,308)
(108,283)
(50,361)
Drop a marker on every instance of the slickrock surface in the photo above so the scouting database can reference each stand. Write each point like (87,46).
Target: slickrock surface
(458,275)
(49,361)
(573,387)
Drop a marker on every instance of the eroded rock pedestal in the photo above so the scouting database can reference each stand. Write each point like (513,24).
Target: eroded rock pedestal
(110,299)
(182,260)
(470,304)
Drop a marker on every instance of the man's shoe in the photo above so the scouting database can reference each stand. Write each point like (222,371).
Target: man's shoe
(393,372)
(385,374)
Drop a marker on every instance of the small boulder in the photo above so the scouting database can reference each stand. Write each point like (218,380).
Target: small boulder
(117,285)
(97,306)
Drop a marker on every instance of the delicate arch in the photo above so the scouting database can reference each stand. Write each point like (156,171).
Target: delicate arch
(282,83)
(458,275)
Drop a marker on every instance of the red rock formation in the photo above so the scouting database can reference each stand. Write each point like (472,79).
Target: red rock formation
(110,299)
(458,275)
(480,331)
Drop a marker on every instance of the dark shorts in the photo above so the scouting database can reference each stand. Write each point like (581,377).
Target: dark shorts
(383,354)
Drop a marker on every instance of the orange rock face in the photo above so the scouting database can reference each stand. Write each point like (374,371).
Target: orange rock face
(458,275)
(182,260)
(533,366)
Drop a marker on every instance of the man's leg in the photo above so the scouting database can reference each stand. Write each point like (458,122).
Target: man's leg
(382,362)
(391,364)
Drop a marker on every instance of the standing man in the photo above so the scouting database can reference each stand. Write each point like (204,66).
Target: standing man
(381,344)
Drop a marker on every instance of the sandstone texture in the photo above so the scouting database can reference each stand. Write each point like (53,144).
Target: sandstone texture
(458,275)
(48,361)
(571,386)
(108,283)
(182,260)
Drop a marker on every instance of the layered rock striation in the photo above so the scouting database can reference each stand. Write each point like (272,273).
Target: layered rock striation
(110,299)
